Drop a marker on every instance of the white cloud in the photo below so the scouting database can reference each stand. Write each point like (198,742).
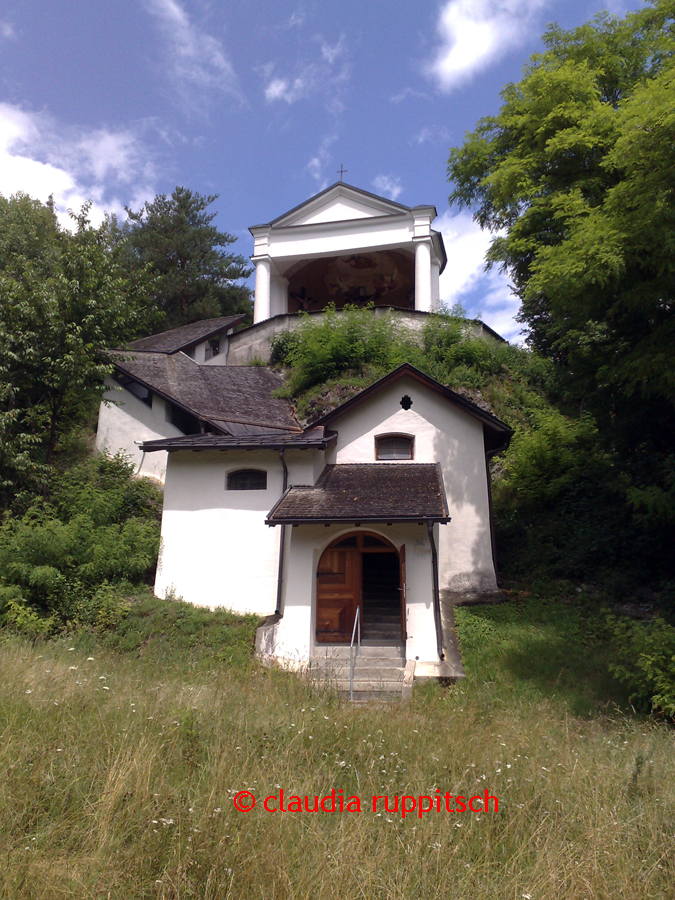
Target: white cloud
(195,59)
(290,91)
(7,32)
(297,19)
(331,54)
(318,163)
(317,77)
(433,135)
(110,168)
(409,93)
(465,280)
(388,186)
(476,33)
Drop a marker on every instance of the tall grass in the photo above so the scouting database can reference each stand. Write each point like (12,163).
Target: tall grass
(120,769)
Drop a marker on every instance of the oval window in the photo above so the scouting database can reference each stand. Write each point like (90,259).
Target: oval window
(394,446)
(247,480)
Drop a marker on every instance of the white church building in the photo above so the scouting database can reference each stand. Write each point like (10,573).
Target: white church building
(367,513)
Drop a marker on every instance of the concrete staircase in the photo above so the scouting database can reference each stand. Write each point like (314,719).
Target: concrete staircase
(380,672)
(381,623)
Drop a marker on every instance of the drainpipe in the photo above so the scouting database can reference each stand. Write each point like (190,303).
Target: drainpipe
(437,596)
(140,465)
(282,542)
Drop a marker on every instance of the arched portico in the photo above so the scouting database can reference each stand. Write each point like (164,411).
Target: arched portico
(360,569)
(346,245)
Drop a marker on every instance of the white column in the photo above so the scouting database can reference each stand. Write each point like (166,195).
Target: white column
(435,284)
(278,295)
(423,275)
(261,304)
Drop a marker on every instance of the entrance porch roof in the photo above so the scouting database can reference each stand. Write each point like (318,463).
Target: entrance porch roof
(366,492)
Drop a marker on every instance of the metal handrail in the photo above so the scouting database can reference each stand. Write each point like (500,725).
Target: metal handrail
(356,630)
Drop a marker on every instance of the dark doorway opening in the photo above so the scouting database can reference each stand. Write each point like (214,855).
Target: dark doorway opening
(381,596)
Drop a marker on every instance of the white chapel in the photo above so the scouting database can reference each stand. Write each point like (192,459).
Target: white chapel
(355,522)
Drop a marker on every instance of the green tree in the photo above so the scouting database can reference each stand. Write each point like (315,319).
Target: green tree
(63,301)
(574,177)
(196,275)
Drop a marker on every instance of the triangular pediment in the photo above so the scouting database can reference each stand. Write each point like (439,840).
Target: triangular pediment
(340,203)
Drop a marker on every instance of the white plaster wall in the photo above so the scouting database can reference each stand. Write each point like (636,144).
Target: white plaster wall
(443,433)
(314,241)
(294,636)
(125,419)
(216,549)
(339,211)
(300,464)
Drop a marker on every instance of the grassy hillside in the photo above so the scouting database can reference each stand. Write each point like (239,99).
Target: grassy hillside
(122,754)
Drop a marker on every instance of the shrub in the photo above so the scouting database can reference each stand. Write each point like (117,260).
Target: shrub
(336,342)
(99,528)
(645,661)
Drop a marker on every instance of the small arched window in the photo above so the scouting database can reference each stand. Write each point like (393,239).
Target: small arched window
(247,480)
(394,446)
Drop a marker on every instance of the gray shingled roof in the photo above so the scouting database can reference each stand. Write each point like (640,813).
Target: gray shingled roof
(186,336)
(314,438)
(366,492)
(218,394)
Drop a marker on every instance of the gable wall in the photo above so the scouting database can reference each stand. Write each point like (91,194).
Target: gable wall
(446,434)
(338,211)
(126,419)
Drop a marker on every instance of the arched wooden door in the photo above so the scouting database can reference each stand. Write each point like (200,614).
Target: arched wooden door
(340,581)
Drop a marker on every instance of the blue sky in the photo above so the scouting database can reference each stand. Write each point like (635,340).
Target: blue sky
(117,100)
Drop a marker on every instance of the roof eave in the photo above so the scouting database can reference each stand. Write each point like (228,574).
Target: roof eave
(205,337)
(356,521)
(331,187)
(170,445)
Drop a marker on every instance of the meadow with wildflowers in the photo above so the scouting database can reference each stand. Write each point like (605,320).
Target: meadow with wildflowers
(122,750)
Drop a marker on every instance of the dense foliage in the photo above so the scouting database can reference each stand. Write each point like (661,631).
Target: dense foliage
(61,560)
(574,175)
(196,276)
(63,299)
(355,346)
(645,661)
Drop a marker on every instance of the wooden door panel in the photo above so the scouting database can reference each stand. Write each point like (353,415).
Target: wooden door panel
(338,588)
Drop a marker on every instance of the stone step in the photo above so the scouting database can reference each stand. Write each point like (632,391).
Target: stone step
(365,660)
(381,617)
(369,662)
(395,662)
(375,673)
(369,648)
(381,632)
(380,608)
